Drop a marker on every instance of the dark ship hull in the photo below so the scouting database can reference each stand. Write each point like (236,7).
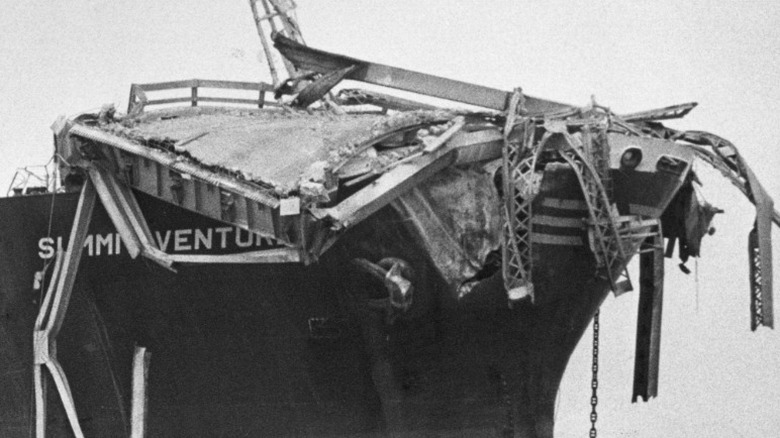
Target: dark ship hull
(332,273)
(491,276)
(291,350)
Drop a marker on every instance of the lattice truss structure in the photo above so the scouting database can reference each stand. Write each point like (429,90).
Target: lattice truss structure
(278,17)
(519,162)
(759,309)
(613,238)
(520,155)
(588,156)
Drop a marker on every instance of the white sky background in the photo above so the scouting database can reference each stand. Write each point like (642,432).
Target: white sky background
(717,378)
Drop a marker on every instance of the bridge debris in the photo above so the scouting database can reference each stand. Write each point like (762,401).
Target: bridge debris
(500,190)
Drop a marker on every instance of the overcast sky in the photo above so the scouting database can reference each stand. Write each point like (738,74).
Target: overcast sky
(717,378)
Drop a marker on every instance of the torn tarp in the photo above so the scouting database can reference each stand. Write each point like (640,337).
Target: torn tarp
(686,221)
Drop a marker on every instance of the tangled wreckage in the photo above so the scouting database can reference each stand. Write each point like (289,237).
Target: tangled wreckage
(342,264)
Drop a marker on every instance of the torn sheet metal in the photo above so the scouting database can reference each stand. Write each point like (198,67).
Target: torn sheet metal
(686,221)
(697,224)
(320,87)
(456,216)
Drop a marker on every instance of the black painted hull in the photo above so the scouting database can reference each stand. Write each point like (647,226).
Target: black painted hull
(287,350)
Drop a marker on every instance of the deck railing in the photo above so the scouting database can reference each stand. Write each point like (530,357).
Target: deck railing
(33,179)
(139,98)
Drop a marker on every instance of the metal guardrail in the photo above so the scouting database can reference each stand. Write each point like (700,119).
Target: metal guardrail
(31,180)
(139,99)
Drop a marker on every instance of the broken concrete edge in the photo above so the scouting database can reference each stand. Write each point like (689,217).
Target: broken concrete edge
(62,126)
(387,126)
(304,186)
(112,157)
(459,148)
(179,164)
(174,162)
(393,125)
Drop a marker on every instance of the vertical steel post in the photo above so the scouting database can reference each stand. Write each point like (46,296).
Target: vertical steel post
(140,399)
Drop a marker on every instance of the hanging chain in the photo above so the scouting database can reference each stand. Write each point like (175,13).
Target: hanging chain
(594,384)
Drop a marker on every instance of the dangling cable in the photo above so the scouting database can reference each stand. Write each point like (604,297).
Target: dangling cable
(594,384)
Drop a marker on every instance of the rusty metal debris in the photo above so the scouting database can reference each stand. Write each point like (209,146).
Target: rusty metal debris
(497,191)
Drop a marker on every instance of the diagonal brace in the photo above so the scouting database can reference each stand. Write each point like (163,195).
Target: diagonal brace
(127,217)
(52,314)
